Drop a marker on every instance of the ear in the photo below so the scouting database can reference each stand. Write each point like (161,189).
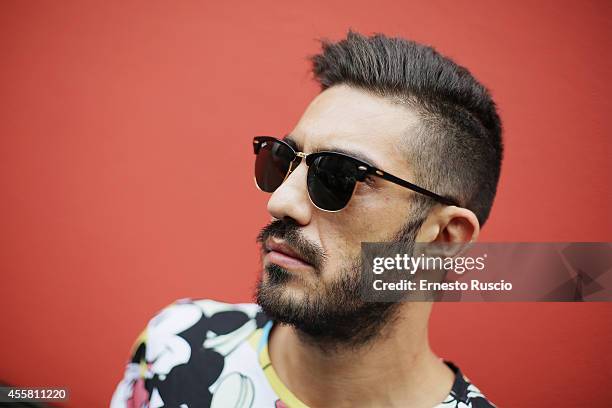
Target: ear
(449,225)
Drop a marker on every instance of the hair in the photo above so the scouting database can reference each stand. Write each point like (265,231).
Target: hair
(456,149)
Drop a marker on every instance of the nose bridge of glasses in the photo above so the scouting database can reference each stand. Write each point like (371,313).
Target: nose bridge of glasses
(299,157)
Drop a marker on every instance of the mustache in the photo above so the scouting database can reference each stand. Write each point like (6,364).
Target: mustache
(289,231)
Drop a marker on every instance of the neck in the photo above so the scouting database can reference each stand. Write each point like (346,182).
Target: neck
(395,368)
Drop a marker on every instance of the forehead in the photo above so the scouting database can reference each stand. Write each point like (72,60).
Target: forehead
(353,120)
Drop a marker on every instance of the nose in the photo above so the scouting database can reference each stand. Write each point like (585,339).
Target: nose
(290,200)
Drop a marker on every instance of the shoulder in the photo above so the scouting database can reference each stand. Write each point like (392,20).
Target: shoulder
(206,314)
(189,325)
(188,338)
(200,323)
(464,394)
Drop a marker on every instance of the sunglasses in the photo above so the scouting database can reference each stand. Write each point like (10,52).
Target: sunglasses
(331,178)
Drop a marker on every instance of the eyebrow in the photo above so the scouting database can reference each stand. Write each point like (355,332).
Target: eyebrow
(356,155)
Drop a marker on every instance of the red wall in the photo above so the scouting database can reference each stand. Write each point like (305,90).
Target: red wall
(126,172)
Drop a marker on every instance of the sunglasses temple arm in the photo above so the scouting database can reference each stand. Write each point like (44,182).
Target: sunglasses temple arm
(414,187)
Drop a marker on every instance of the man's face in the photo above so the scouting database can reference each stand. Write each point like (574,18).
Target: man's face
(329,243)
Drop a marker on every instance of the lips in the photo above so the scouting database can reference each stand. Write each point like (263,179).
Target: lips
(282,254)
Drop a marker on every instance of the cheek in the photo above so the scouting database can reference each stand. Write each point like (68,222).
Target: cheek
(374,218)
(368,218)
(342,234)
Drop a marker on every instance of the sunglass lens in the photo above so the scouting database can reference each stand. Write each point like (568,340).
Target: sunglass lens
(331,181)
(272,165)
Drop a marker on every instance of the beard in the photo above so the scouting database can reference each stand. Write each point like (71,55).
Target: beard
(329,314)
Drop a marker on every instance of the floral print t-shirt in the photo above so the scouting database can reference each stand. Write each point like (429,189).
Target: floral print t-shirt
(203,353)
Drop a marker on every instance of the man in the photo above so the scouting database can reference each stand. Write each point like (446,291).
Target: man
(402,145)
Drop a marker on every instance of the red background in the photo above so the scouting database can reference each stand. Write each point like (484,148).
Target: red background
(126,172)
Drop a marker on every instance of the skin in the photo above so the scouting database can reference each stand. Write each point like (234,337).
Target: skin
(398,368)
